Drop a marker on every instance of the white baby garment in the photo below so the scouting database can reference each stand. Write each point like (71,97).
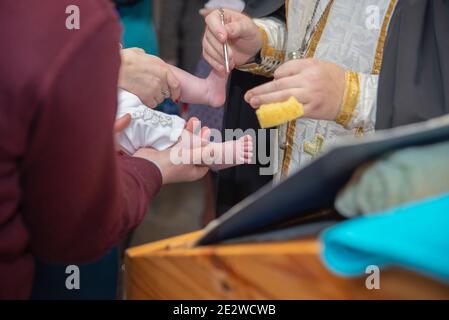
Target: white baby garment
(148,128)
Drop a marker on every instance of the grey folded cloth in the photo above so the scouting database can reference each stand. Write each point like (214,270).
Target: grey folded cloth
(401,177)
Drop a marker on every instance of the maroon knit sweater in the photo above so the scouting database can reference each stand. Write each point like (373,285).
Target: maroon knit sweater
(65,195)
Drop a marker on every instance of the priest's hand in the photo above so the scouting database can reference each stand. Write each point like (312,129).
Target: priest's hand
(242,34)
(318,85)
(148,77)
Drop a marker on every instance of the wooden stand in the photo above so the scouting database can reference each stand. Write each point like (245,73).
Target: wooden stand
(171,269)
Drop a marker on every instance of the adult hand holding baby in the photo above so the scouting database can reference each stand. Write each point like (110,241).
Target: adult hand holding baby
(148,77)
(171,173)
(240,32)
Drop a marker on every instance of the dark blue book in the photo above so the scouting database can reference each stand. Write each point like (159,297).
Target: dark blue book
(309,194)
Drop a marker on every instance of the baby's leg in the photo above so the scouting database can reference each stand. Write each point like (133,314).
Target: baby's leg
(194,136)
(210,91)
(218,156)
(216,89)
(230,153)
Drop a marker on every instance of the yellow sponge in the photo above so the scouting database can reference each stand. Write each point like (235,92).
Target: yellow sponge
(275,114)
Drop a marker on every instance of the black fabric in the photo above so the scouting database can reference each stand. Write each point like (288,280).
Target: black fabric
(235,184)
(414,81)
(126,2)
(262,8)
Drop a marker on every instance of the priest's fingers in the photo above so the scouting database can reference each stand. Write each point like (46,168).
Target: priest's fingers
(274,86)
(302,95)
(293,67)
(215,26)
(236,29)
(215,47)
(214,38)
(214,63)
(205,11)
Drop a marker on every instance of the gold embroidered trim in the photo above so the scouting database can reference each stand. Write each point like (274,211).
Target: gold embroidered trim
(314,148)
(267,50)
(291,127)
(290,138)
(383,33)
(350,98)
(271,58)
(359,132)
(257,69)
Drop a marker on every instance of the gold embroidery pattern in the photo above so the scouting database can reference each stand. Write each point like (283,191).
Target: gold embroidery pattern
(350,98)
(267,50)
(257,69)
(291,127)
(314,149)
(359,132)
(271,58)
(383,33)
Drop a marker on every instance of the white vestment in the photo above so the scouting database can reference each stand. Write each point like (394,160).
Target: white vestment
(351,35)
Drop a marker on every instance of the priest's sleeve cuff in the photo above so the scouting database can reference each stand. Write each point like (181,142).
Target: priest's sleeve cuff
(350,98)
(272,54)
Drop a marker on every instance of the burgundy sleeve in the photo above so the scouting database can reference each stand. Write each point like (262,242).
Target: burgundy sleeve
(80,196)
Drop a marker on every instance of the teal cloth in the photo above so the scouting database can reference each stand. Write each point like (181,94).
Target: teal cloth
(404,176)
(138,28)
(415,236)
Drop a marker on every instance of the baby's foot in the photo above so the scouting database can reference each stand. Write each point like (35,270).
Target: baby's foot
(243,150)
(194,136)
(216,89)
(230,153)
(192,124)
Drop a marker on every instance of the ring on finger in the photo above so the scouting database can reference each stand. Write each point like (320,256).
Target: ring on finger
(166,93)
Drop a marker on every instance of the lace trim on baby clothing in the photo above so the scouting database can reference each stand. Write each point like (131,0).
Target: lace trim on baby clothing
(154,118)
